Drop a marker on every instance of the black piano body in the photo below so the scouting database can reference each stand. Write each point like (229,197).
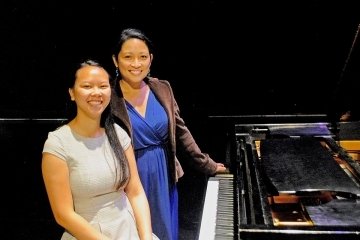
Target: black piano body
(292,179)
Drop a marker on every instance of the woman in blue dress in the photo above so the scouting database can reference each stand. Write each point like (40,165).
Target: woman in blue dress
(147,109)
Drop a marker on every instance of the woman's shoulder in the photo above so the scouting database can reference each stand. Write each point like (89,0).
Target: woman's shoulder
(119,129)
(60,131)
(61,135)
(57,139)
(155,80)
(123,136)
(159,82)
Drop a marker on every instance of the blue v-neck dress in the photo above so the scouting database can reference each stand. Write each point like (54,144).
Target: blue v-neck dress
(150,135)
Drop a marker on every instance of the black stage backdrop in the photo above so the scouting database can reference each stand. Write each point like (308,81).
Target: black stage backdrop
(222,57)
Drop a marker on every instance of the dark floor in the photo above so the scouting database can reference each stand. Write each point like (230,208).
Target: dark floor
(26,213)
(191,193)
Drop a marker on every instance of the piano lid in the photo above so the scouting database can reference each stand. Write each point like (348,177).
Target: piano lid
(303,165)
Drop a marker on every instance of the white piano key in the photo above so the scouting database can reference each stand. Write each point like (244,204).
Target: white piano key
(208,221)
(218,210)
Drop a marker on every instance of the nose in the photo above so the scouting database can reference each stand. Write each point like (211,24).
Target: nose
(97,91)
(136,63)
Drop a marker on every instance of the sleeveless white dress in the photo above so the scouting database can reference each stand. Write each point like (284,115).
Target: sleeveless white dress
(92,167)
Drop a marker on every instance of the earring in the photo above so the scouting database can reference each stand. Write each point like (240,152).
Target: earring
(148,75)
(117,72)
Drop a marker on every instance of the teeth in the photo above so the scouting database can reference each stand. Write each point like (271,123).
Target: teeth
(95,102)
(136,72)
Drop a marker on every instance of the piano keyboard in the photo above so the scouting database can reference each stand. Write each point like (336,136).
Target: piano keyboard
(218,212)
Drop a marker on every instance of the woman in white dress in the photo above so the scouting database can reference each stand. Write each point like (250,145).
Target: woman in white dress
(89,169)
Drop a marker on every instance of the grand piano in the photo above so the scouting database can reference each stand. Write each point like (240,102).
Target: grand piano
(290,177)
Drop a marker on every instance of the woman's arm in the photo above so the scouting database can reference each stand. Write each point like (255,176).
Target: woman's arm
(185,140)
(56,178)
(137,198)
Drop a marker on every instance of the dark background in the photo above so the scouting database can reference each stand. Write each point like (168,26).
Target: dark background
(222,58)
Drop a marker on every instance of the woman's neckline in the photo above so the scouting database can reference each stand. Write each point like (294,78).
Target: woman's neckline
(78,133)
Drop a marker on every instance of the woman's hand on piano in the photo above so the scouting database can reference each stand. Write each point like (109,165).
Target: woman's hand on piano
(220,168)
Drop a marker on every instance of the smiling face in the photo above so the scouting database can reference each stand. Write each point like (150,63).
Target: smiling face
(91,91)
(133,61)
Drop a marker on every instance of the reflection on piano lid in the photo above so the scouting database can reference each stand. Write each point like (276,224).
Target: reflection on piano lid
(218,212)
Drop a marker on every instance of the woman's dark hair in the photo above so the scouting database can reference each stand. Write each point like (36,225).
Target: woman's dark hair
(130,33)
(107,122)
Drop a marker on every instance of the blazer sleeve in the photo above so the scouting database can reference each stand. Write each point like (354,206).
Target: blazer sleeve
(187,145)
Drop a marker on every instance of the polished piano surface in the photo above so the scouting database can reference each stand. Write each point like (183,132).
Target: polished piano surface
(290,179)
